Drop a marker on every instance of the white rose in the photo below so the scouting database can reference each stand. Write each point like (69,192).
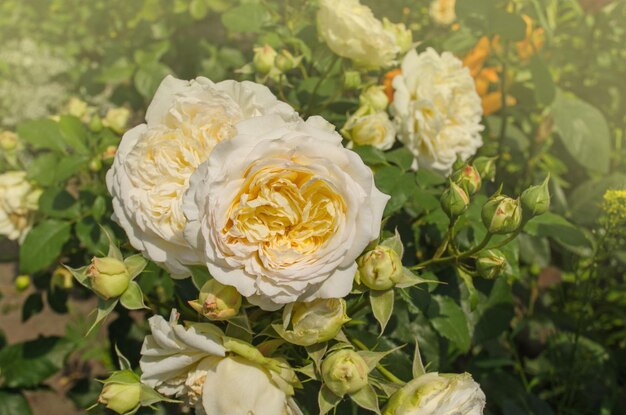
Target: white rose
(222,389)
(351,31)
(437,110)
(443,11)
(172,351)
(438,394)
(154,161)
(372,128)
(192,364)
(282,211)
(18,205)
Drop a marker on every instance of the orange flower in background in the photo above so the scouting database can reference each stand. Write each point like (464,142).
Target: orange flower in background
(388,82)
(485,77)
(533,42)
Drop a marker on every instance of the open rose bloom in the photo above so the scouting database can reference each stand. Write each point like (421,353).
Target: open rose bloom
(281,211)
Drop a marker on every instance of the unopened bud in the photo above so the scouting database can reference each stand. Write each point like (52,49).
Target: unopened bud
(486,167)
(95,124)
(8,140)
(22,282)
(217,301)
(95,165)
(264,59)
(76,107)
(109,153)
(454,200)
(344,371)
(314,322)
(468,178)
(116,119)
(352,79)
(490,263)
(121,397)
(109,277)
(379,269)
(502,214)
(402,35)
(285,61)
(536,199)
(375,98)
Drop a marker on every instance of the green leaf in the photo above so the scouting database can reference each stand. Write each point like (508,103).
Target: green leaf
(42,134)
(469,284)
(135,264)
(32,306)
(49,168)
(119,71)
(90,234)
(450,321)
(148,78)
(74,133)
(246,18)
(13,403)
(58,203)
(545,89)
(560,230)
(370,155)
(366,398)
(395,243)
(28,364)
(401,157)
(199,275)
(105,307)
(382,306)
(327,400)
(584,132)
(586,200)
(43,245)
(132,299)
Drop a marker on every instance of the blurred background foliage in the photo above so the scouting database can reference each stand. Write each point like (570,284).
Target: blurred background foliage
(550,338)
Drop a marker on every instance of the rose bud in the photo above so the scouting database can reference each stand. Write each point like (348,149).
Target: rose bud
(435,393)
(402,35)
(490,263)
(109,277)
(536,199)
(468,178)
(344,371)
(486,167)
(351,79)
(8,140)
(116,119)
(374,129)
(454,200)
(121,397)
(285,61)
(380,268)
(313,322)
(374,97)
(501,214)
(22,282)
(264,58)
(217,301)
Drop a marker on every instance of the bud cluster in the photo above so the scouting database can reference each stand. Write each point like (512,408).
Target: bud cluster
(268,62)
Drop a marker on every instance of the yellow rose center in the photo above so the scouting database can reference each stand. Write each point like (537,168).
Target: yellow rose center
(285,212)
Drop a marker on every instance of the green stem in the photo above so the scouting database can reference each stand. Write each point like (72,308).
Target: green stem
(465,254)
(323,77)
(390,376)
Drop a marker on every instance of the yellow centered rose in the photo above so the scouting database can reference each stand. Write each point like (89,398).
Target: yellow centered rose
(282,211)
(154,161)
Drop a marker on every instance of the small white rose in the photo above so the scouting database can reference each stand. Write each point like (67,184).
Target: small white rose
(154,161)
(18,205)
(436,109)
(443,11)
(372,128)
(282,211)
(351,31)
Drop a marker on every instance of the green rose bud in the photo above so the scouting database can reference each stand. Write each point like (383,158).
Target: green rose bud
(536,199)
(313,322)
(116,119)
(22,282)
(109,277)
(95,164)
(454,200)
(352,79)
(76,107)
(344,371)
(468,178)
(285,61)
(486,167)
(402,35)
(434,393)
(374,97)
(217,301)
(121,397)
(95,124)
(380,268)
(264,59)
(501,214)
(490,263)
